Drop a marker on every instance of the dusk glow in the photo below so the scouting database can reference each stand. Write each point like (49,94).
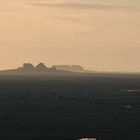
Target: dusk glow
(100,35)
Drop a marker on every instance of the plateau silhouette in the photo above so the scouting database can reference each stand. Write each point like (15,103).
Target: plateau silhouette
(42,69)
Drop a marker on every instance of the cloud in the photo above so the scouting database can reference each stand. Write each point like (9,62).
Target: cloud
(83,6)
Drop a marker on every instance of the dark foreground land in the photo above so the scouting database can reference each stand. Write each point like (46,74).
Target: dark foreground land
(69,108)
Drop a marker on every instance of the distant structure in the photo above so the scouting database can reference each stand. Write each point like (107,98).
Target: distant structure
(41,67)
(72,68)
(28,66)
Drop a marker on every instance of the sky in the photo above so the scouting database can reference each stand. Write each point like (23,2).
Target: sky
(101,35)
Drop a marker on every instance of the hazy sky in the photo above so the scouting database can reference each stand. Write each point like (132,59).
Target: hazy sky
(98,34)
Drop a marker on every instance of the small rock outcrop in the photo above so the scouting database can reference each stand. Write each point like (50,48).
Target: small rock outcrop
(73,68)
(28,66)
(41,67)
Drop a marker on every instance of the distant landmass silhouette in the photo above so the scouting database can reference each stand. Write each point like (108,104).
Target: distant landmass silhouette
(73,68)
(42,69)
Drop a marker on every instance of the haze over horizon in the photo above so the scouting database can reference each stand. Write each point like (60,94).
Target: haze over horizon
(101,35)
